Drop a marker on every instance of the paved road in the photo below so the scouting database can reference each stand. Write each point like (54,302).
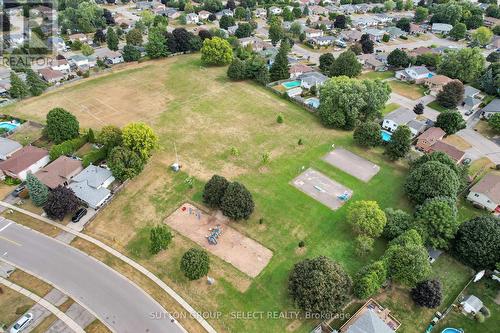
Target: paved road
(480,146)
(116,301)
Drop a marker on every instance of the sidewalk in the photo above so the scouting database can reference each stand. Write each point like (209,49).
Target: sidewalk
(59,314)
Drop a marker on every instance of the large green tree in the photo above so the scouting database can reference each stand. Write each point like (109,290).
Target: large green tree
(482,36)
(124,163)
(366,218)
(319,285)
(451,95)
(39,193)
(367,134)
(398,58)
(61,125)
(195,263)
(156,47)
(369,279)
(214,190)
(458,31)
(279,68)
(18,89)
(139,138)
(112,39)
(398,222)
(400,143)
(346,64)
(35,83)
(465,64)
(450,121)
(216,51)
(237,202)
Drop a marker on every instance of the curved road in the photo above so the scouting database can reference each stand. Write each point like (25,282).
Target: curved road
(116,301)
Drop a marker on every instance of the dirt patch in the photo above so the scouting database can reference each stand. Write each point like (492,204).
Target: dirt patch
(457,142)
(240,251)
(300,251)
(352,164)
(293,326)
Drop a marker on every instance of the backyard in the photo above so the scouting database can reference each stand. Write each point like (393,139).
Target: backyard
(408,90)
(225,128)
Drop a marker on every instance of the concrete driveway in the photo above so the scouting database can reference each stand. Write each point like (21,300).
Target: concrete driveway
(410,104)
(115,300)
(481,147)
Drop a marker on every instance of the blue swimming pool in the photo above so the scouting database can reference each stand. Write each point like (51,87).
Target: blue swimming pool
(8,125)
(452,330)
(386,136)
(313,102)
(291,84)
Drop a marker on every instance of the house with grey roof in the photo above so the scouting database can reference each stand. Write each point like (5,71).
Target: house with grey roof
(471,305)
(490,109)
(371,318)
(398,117)
(486,192)
(417,74)
(8,147)
(90,185)
(308,80)
(441,28)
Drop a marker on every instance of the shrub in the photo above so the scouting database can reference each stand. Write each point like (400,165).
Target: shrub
(479,317)
(214,190)
(427,294)
(485,311)
(67,147)
(195,263)
(280,119)
(364,245)
(61,201)
(160,238)
(94,156)
(367,134)
(366,218)
(237,202)
(39,193)
(302,243)
(61,125)
(369,280)
(398,222)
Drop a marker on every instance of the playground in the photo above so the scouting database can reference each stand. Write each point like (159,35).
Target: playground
(213,233)
(352,164)
(323,189)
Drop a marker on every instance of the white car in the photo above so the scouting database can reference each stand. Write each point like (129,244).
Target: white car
(22,323)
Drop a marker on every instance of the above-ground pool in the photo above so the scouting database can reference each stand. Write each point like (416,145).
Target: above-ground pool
(452,330)
(291,84)
(313,102)
(386,136)
(8,125)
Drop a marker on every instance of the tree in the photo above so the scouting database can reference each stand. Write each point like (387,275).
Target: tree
(386,38)
(400,143)
(319,285)
(195,263)
(451,95)
(131,53)
(279,68)
(244,30)
(419,108)
(404,24)
(458,32)
(421,14)
(494,122)
(460,171)
(398,222)
(99,37)
(214,190)
(427,294)
(490,81)
(366,218)
(367,134)
(407,259)
(340,22)
(237,70)
(226,21)
(369,279)
(156,46)
(431,179)
(5,22)
(39,193)
(124,163)
(237,202)
(346,64)
(36,85)
(160,238)
(363,245)
(276,32)
(134,37)
(216,51)
(139,138)
(287,15)
(61,201)
(389,5)
(450,13)
(466,64)
(366,44)
(326,61)
(18,89)
(231,4)
(398,58)
(450,121)
(482,36)
(87,50)
(61,125)
(112,39)
(477,243)
(428,59)
(493,57)
(204,34)
(110,137)
(436,219)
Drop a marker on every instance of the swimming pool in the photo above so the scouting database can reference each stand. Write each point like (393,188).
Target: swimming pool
(8,125)
(313,102)
(386,136)
(452,330)
(291,84)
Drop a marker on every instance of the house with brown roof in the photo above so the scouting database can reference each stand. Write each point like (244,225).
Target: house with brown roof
(50,75)
(486,192)
(429,137)
(59,172)
(436,83)
(299,69)
(456,154)
(29,159)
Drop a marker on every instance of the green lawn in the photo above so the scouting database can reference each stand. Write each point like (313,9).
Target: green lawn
(389,108)
(377,75)
(408,90)
(436,106)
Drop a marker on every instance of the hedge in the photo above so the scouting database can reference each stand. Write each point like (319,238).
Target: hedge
(94,156)
(67,147)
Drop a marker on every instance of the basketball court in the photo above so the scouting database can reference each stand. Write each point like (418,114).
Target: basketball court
(352,164)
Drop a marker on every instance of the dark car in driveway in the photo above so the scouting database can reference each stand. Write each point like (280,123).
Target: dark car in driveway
(18,190)
(79,214)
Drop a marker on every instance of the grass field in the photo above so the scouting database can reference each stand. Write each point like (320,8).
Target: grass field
(377,75)
(206,116)
(408,90)
(436,106)
(389,108)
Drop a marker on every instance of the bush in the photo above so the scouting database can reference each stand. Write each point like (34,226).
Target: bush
(124,163)
(94,156)
(369,280)
(367,134)
(363,245)
(479,317)
(302,243)
(398,222)
(61,201)
(61,125)
(195,264)
(237,202)
(427,294)
(67,147)
(160,238)
(366,218)
(280,119)
(214,190)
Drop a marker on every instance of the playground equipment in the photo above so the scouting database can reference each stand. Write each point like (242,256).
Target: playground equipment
(319,188)
(344,196)
(214,235)
(176,166)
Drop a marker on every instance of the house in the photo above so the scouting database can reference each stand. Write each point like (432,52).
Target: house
(429,137)
(364,22)
(299,69)
(490,109)
(50,75)
(59,172)
(383,18)
(471,91)
(232,30)
(57,43)
(318,10)
(490,21)
(8,147)
(312,79)
(486,192)
(351,35)
(370,61)
(61,65)
(275,10)
(260,12)
(375,35)
(416,127)
(433,254)
(471,305)
(255,43)
(398,117)
(436,83)
(415,74)
(322,40)
(470,103)
(26,160)
(371,318)
(16,39)
(203,15)
(79,60)
(78,37)
(108,56)
(419,51)
(313,33)
(395,32)
(192,18)
(91,184)
(416,29)
(456,154)
(441,28)
(172,13)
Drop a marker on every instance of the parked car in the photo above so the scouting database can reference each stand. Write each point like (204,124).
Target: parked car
(22,323)
(469,112)
(18,190)
(78,215)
